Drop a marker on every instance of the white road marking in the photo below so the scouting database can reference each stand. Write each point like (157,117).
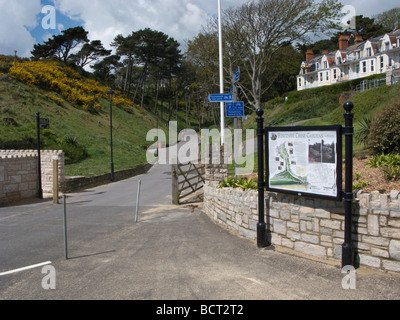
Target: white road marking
(25,268)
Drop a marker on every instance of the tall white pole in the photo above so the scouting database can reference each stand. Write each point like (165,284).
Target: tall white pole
(221,72)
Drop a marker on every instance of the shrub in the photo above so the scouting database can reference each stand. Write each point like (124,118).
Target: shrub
(244,184)
(384,136)
(362,133)
(390,165)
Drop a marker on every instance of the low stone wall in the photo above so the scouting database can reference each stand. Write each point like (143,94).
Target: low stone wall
(46,157)
(312,226)
(18,178)
(73,184)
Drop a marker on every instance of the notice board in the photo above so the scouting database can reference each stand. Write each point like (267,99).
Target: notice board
(305,161)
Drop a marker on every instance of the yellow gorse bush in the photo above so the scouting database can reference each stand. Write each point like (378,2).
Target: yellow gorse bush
(75,89)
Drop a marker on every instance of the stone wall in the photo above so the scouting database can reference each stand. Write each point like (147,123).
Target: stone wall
(310,226)
(18,178)
(23,164)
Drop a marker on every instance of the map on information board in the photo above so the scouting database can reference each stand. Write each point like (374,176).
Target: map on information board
(304,160)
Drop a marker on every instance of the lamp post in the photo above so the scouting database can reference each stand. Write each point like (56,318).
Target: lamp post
(111,94)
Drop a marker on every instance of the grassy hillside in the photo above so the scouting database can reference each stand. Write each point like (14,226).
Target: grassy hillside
(83,132)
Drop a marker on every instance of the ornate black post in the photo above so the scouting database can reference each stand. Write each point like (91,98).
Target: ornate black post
(347,248)
(261,226)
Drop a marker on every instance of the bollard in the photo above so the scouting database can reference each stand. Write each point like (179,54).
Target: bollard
(65,229)
(137,202)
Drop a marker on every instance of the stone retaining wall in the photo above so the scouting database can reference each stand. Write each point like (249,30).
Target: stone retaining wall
(18,178)
(312,226)
(18,170)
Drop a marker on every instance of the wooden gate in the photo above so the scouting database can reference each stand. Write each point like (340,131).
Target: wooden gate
(186,180)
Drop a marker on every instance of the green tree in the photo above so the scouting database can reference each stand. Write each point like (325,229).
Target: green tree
(263,27)
(389,19)
(90,52)
(105,69)
(60,46)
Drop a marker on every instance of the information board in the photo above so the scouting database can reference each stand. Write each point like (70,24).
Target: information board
(305,160)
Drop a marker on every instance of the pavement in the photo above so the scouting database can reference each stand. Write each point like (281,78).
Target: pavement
(173,253)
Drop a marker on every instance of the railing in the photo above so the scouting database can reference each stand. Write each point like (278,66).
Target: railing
(370,84)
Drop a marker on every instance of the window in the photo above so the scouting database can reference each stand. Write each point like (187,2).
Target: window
(372,65)
(357,68)
(358,55)
(382,63)
(364,66)
(334,74)
(299,82)
(387,45)
(321,77)
(327,76)
(325,64)
(369,52)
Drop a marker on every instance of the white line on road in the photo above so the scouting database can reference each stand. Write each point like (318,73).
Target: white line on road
(25,268)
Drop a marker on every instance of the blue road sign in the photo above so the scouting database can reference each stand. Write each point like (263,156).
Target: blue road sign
(234,109)
(220,97)
(236,76)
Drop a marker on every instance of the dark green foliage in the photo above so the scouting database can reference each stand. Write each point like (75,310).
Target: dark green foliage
(384,136)
(362,133)
(390,165)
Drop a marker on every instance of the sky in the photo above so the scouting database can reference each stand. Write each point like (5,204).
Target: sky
(24,23)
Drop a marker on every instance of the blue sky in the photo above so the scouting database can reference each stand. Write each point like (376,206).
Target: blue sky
(21,20)
(63,22)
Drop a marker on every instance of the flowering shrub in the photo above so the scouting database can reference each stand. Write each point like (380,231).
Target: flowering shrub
(75,89)
(55,99)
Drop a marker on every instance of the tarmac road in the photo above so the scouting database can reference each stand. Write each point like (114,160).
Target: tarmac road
(172,253)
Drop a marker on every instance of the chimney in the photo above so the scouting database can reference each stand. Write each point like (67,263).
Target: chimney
(325,52)
(309,55)
(358,40)
(343,42)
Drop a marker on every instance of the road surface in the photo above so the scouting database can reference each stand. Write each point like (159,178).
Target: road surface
(172,253)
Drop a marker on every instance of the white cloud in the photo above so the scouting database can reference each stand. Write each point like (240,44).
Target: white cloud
(180,19)
(104,19)
(17,18)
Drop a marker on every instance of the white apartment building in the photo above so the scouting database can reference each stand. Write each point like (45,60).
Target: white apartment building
(378,55)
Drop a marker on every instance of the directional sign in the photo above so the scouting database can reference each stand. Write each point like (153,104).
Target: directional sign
(220,98)
(234,109)
(236,76)
(44,124)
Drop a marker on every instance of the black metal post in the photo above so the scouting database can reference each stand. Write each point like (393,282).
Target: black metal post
(40,189)
(111,142)
(261,226)
(347,248)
